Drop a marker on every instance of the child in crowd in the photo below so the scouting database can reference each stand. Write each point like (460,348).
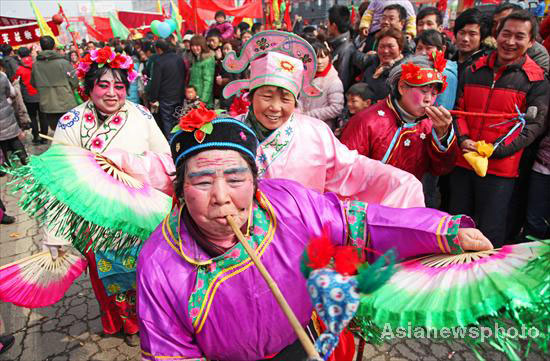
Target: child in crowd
(359,97)
(191,97)
(224,26)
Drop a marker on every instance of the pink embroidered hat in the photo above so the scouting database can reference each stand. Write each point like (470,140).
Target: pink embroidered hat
(276,58)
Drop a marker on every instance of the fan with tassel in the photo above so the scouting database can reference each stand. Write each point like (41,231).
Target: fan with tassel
(39,280)
(84,196)
(459,291)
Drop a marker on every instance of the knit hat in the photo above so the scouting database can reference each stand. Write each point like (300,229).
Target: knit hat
(201,129)
(416,76)
(276,58)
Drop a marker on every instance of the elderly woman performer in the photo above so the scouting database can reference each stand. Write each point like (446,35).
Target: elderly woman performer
(406,130)
(296,146)
(127,134)
(200,296)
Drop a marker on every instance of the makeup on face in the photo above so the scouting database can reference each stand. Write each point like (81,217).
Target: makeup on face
(218,183)
(108,93)
(273,106)
(414,100)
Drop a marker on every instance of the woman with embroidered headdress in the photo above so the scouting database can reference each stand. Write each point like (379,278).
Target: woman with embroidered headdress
(296,146)
(201,297)
(128,135)
(406,130)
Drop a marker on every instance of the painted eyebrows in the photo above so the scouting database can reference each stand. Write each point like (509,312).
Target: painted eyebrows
(202,173)
(211,172)
(108,82)
(235,170)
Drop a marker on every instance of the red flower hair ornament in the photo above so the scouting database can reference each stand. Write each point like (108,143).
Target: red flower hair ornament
(414,75)
(239,106)
(197,120)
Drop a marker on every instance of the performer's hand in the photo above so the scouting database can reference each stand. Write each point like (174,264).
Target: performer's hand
(118,156)
(468,145)
(154,107)
(471,239)
(54,250)
(52,243)
(441,119)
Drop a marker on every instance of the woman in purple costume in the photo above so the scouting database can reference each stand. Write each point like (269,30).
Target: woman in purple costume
(199,295)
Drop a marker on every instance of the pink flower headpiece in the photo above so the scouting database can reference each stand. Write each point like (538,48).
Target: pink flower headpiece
(106,56)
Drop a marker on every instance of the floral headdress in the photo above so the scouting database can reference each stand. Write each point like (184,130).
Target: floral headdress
(196,119)
(103,57)
(414,75)
(202,129)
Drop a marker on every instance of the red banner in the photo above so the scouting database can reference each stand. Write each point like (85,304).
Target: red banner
(7,21)
(137,19)
(27,33)
(250,9)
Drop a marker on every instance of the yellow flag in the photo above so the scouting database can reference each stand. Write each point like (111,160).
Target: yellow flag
(44,27)
(177,16)
(276,11)
(159,7)
(249,21)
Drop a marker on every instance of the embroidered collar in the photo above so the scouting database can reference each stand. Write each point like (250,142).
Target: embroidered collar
(97,136)
(274,145)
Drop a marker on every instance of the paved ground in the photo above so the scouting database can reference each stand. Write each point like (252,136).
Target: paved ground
(71,329)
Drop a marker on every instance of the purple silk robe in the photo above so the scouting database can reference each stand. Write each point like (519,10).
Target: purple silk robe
(239,318)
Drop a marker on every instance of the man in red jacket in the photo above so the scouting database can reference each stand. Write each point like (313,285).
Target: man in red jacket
(31,96)
(497,83)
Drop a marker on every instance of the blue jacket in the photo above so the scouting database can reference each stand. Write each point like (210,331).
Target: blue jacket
(448,97)
(539,10)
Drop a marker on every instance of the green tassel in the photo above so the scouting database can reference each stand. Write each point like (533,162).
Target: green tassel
(367,330)
(304,268)
(39,203)
(372,277)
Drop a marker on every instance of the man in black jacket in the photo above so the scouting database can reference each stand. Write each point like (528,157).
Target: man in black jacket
(340,41)
(167,85)
(471,28)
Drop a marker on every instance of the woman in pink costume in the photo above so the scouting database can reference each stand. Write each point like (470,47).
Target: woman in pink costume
(295,146)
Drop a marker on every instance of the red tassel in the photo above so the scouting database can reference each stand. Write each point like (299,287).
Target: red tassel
(346,260)
(320,251)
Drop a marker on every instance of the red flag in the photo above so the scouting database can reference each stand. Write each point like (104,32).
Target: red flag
(354,15)
(94,33)
(286,16)
(189,15)
(68,27)
(103,26)
(137,19)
